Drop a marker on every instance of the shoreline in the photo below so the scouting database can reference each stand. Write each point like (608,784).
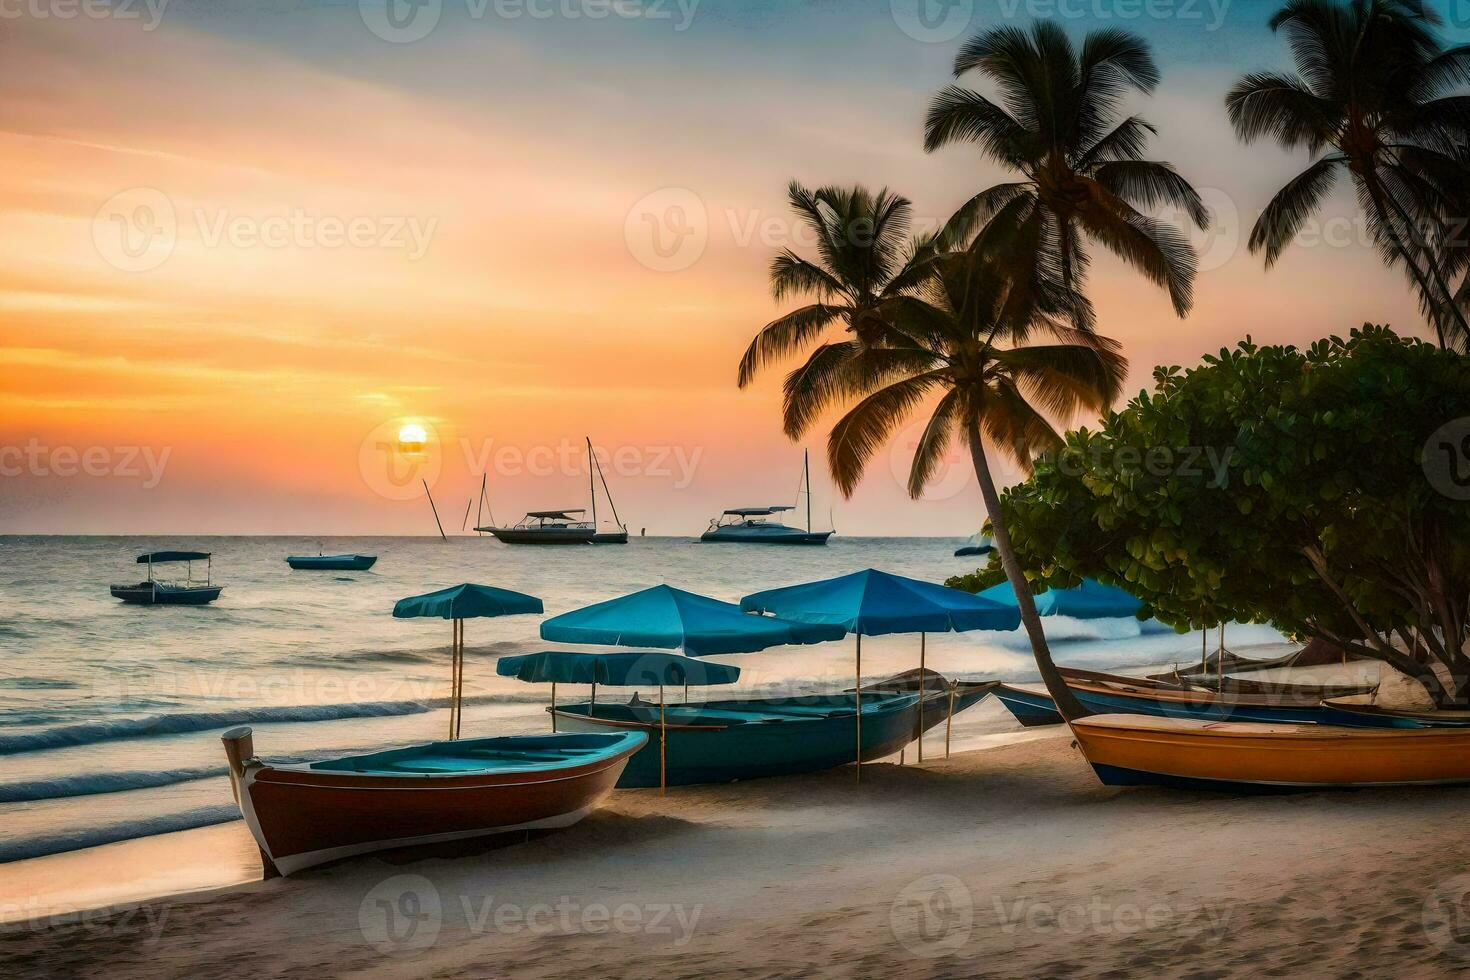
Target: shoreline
(1012,860)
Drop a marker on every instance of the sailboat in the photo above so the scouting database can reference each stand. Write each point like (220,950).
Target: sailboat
(748,525)
(566,525)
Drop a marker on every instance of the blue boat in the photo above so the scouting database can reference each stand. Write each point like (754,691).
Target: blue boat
(334,563)
(1115,694)
(158,592)
(979,544)
(748,525)
(725,741)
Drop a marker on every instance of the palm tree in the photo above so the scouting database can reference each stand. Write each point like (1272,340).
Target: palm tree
(864,260)
(1369,90)
(1060,125)
(968,338)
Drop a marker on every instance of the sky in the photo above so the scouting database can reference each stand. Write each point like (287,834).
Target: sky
(247,242)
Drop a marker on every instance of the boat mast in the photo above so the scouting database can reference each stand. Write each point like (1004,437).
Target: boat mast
(806,476)
(591,480)
(605,491)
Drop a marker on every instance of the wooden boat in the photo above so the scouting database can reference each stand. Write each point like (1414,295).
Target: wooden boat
(311,813)
(158,592)
(1108,693)
(724,741)
(748,525)
(1376,716)
(1192,753)
(566,526)
(1317,653)
(336,563)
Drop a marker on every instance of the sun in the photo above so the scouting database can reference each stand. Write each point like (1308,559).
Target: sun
(411,438)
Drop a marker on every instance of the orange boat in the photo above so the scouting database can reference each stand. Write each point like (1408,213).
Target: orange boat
(1142,750)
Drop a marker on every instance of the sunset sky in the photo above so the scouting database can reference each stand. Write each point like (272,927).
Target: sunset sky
(242,241)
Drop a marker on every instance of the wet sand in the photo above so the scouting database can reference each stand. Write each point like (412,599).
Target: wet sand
(1008,861)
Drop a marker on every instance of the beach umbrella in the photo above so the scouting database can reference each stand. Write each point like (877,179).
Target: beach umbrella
(874,603)
(1090,600)
(618,670)
(459,603)
(670,618)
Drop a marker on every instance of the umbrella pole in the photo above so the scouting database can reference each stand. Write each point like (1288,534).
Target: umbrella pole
(949,721)
(923,689)
(592,705)
(857,690)
(663,740)
(1220,663)
(459,680)
(453,673)
(553,705)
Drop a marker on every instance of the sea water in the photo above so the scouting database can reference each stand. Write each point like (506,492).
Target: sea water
(110,714)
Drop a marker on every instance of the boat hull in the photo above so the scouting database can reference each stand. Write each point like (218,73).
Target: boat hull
(1134,750)
(337,563)
(303,816)
(726,741)
(1032,706)
(1375,716)
(146,594)
(558,535)
(737,535)
(610,537)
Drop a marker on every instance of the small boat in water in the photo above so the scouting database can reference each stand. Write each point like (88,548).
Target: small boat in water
(567,526)
(748,525)
(725,741)
(979,544)
(160,592)
(310,813)
(1193,753)
(1110,693)
(335,563)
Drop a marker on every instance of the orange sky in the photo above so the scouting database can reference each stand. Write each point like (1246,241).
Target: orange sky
(494,290)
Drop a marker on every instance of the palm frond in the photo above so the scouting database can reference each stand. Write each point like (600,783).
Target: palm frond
(1148,184)
(866,427)
(785,336)
(936,438)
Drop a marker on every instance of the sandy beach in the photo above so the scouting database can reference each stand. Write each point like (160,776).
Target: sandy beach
(1008,861)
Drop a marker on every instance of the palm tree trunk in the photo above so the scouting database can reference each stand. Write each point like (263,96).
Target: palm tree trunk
(1066,702)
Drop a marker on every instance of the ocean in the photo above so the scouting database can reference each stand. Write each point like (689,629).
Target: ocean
(110,713)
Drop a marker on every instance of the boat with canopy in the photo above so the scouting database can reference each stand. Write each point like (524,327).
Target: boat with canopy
(155,591)
(569,525)
(749,525)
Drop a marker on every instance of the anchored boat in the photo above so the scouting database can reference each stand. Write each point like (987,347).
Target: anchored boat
(1192,753)
(748,525)
(311,813)
(566,526)
(161,592)
(335,563)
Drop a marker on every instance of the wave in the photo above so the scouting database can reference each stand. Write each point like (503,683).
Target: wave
(90,732)
(37,683)
(75,840)
(90,784)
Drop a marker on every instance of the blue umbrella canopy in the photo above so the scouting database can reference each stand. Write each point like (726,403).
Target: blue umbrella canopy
(1090,600)
(615,669)
(671,618)
(466,602)
(874,603)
